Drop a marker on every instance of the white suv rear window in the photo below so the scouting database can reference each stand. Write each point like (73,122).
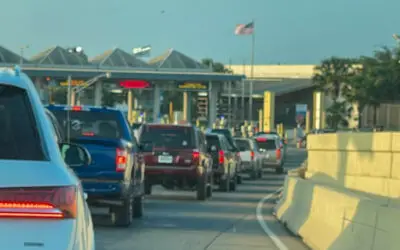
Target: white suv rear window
(19,137)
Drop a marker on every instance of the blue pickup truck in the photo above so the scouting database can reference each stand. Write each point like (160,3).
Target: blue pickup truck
(115,177)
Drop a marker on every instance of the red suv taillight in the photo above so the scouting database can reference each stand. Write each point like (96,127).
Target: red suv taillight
(38,203)
(252,155)
(121,160)
(221,157)
(195,157)
(278,154)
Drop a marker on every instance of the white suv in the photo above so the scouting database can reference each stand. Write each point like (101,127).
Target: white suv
(41,200)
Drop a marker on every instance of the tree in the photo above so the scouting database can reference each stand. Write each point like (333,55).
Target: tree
(216,66)
(376,81)
(331,77)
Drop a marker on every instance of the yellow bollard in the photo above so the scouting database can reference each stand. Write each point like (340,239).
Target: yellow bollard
(307,122)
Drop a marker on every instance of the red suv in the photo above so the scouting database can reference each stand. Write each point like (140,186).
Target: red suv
(176,157)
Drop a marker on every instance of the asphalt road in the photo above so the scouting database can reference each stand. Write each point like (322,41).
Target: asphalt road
(229,221)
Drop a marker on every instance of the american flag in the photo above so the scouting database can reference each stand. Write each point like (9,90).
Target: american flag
(244,29)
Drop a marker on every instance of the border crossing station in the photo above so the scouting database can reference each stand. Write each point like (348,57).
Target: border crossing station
(215,95)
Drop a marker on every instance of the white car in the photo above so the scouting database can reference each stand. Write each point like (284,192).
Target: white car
(42,205)
(251,158)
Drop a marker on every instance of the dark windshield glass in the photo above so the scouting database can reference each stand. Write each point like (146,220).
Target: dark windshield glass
(169,137)
(19,139)
(243,145)
(90,124)
(136,125)
(267,145)
(213,141)
(227,134)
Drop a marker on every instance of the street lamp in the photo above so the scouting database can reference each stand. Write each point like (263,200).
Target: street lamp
(87,84)
(76,49)
(21,56)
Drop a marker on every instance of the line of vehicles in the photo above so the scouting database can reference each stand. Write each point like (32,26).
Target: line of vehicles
(60,160)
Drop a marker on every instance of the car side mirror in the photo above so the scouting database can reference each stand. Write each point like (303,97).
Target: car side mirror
(75,155)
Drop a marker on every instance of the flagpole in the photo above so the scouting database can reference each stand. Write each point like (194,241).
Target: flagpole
(243,91)
(251,74)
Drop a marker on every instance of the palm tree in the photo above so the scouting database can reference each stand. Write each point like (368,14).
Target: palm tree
(216,66)
(332,75)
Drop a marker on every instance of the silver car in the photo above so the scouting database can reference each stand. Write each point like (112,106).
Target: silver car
(251,157)
(272,151)
(42,204)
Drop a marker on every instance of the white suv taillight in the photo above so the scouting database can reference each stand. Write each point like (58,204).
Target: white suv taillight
(38,202)
(121,160)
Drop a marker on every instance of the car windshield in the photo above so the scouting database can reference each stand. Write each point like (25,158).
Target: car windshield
(168,137)
(213,140)
(266,145)
(19,138)
(243,145)
(90,124)
(226,133)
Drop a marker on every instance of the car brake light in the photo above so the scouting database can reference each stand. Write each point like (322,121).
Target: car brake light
(252,155)
(195,157)
(76,108)
(88,134)
(121,160)
(261,139)
(221,157)
(38,203)
(278,154)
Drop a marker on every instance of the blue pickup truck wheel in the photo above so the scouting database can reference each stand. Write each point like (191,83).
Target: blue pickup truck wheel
(201,188)
(121,216)
(138,207)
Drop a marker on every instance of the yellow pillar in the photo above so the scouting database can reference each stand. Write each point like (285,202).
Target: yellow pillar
(171,112)
(319,107)
(73,94)
(269,111)
(307,122)
(323,120)
(185,105)
(130,106)
(260,120)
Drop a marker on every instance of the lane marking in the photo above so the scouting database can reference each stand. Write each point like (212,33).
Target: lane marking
(279,244)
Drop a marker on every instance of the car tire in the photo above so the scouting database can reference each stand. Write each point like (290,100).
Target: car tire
(224,185)
(239,179)
(147,188)
(210,186)
(121,216)
(232,186)
(138,207)
(201,189)
(279,170)
(260,174)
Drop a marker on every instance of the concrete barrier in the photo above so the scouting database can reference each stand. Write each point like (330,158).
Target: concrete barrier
(331,218)
(349,197)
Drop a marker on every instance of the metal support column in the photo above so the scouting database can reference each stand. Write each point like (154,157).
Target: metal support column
(98,93)
(242,106)
(229,104)
(212,98)
(156,102)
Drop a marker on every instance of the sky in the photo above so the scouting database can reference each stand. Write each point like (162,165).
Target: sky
(286,31)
